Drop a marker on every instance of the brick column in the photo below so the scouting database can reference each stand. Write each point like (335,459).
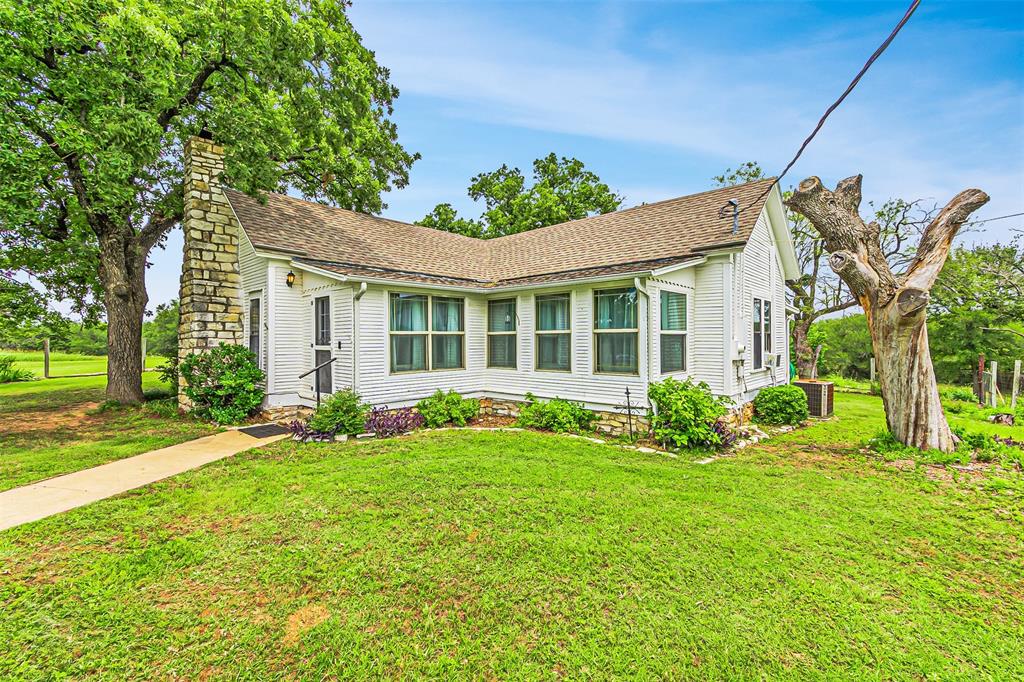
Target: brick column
(210,296)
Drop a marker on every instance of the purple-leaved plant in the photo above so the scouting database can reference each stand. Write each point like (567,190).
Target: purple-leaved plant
(385,423)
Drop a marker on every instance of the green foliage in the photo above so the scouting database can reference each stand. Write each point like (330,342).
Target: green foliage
(99,98)
(686,413)
(87,340)
(986,278)
(161,333)
(9,373)
(443,408)
(849,346)
(748,171)
(958,393)
(169,373)
(342,413)
(558,415)
(786,404)
(563,189)
(223,383)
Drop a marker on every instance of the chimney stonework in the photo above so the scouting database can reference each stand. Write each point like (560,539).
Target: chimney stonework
(210,295)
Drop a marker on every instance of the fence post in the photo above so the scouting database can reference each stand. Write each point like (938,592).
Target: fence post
(46,358)
(994,367)
(143,353)
(1016,386)
(872,370)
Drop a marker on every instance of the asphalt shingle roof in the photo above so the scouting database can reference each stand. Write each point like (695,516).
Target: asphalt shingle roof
(357,244)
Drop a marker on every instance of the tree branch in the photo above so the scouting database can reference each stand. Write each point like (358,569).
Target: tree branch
(938,237)
(194,91)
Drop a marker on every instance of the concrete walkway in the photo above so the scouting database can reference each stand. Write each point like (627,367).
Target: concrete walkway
(55,495)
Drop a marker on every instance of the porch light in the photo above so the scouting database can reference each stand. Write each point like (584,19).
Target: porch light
(289,279)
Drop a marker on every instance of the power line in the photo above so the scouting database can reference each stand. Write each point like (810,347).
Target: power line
(835,105)
(998,217)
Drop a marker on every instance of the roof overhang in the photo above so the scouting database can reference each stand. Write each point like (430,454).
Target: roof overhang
(779,224)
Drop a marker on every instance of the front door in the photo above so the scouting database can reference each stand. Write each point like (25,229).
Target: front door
(322,344)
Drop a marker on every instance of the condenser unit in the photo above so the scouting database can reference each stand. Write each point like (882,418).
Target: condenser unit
(820,397)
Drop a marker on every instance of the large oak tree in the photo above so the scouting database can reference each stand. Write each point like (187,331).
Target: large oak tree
(97,98)
(895,303)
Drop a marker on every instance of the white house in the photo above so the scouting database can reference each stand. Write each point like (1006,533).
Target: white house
(580,310)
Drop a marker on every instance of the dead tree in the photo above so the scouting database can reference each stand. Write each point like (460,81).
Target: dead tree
(894,304)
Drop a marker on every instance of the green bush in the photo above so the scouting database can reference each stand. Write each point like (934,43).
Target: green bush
(785,404)
(443,408)
(223,383)
(685,413)
(9,373)
(343,412)
(558,415)
(959,393)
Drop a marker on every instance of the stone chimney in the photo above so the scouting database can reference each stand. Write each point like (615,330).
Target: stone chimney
(210,296)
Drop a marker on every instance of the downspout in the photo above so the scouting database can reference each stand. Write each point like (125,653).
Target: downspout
(355,334)
(648,377)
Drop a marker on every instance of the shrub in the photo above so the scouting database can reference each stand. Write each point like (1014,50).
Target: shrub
(343,412)
(223,383)
(386,423)
(686,413)
(785,404)
(9,373)
(558,415)
(959,393)
(169,373)
(302,432)
(447,408)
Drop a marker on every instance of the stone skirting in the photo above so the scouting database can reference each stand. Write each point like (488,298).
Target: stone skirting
(608,423)
(210,295)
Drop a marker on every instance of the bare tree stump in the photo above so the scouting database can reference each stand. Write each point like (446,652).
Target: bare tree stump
(895,305)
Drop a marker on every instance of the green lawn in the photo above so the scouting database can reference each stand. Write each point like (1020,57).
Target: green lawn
(67,364)
(52,427)
(522,555)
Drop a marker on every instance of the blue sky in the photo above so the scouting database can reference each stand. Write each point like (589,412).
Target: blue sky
(658,97)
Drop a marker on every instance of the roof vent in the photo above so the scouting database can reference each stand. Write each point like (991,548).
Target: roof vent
(735,203)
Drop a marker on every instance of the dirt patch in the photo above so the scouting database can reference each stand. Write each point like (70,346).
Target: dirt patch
(306,618)
(47,420)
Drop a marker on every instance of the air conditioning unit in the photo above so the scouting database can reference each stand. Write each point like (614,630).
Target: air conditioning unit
(820,397)
(773,360)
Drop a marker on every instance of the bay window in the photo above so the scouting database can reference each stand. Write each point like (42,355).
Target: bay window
(501,333)
(616,331)
(554,335)
(673,331)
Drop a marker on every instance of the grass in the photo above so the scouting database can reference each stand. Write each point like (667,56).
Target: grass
(67,364)
(523,555)
(56,426)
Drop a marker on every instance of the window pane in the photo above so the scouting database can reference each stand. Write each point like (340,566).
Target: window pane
(615,309)
(447,351)
(501,350)
(447,314)
(324,374)
(408,353)
(408,313)
(553,351)
(322,311)
(501,316)
(673,352)
(617,353)
(673,311)
(553,312)
(757,349)
(254,327)
(768,326)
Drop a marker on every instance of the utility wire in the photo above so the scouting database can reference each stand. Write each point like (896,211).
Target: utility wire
(998,217)
(835,105)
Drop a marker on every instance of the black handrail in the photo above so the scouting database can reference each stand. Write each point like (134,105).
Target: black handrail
(317,370)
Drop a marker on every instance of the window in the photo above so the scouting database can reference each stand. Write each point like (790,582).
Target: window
(762,331)
(673,332)
(616,334)
(553,333)
(501,333)
(419,322)
(322,313)
(254,328)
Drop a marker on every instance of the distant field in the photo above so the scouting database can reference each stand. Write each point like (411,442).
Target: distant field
(67,364)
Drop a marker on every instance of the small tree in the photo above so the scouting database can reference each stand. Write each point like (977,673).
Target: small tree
(895,304)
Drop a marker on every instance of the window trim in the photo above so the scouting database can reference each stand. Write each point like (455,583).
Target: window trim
(685,333)
(758,328)
(514,333)
(537,332)
(317,339)
(255,295)
(428,334)
(623,330)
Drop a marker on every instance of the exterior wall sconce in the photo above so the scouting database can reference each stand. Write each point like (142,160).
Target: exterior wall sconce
(289,279)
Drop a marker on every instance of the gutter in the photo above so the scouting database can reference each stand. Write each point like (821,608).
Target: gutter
(355,334)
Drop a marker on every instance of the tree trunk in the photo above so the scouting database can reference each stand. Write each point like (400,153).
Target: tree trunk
(895,306)
(123,275)
(802,352)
